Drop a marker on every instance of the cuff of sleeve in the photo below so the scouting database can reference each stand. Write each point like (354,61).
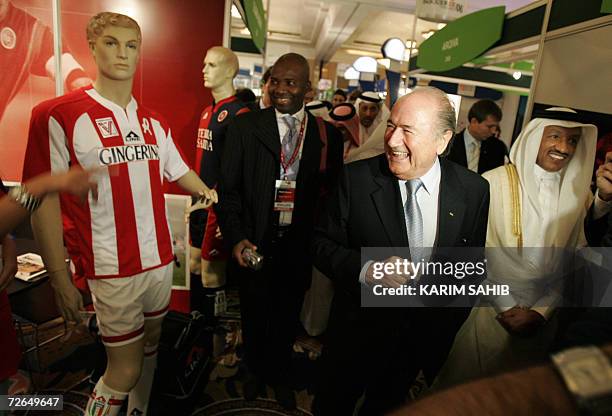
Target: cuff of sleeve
(600,207)
(180,172)
(503,303)
(364,270)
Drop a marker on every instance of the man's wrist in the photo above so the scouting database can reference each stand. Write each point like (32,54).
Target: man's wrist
(586,374)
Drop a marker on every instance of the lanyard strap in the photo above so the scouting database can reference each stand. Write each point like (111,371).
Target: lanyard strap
(295,151)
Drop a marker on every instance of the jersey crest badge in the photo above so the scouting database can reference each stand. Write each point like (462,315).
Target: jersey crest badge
(107,127)
(8,38)
(222,115)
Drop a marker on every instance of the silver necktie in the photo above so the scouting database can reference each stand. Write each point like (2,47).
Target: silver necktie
(414,219)
(288,145)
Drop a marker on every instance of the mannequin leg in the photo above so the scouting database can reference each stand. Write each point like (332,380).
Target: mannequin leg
(196,290)
(139,396)
(121,375)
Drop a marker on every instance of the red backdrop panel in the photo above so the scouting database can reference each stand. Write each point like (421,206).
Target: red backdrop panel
(176,36)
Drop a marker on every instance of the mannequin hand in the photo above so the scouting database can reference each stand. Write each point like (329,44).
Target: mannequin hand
(238,248)
(68,299)
(9,263)
(205,200)
(521,321)
(604,179)
(218,234)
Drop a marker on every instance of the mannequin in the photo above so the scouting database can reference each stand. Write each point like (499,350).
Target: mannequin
(208,254)
(125,241)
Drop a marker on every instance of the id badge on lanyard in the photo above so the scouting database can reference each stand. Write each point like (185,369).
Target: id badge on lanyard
(284,200)
(284,190)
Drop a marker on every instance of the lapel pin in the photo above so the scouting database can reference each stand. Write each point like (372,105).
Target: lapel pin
(451,213)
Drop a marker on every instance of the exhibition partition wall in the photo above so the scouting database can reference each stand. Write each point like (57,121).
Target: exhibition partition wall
(176,35)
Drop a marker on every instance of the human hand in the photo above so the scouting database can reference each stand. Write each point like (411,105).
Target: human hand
(521,321)
(239,248)
(393,279)
(76,181)
(604,178)
(9,263)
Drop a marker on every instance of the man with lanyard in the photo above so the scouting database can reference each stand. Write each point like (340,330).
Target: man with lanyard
(276,165)
(539,203)
(208,254)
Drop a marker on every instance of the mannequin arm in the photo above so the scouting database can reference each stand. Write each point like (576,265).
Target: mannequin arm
(47,227)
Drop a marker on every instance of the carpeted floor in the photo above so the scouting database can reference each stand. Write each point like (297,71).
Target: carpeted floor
(63,367)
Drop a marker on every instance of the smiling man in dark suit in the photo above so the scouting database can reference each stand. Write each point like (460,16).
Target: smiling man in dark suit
(277,164)
(408,196)
(476,147)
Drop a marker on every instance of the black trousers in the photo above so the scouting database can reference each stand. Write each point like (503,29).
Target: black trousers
(381,357)
(270,303)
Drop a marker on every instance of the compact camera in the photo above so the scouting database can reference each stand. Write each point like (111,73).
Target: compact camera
(252,258)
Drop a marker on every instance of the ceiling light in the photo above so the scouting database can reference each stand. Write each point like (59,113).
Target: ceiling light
(517,75)
(351,73)
(393,48)
(428,34)
(365,64)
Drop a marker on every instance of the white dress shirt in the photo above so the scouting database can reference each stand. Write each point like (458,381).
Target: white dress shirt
(472,151)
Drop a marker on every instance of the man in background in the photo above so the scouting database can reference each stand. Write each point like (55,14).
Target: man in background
(476,147)
(372,112)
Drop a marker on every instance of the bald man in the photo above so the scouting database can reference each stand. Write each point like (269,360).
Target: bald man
(276,166)
(208,253)
(406,197)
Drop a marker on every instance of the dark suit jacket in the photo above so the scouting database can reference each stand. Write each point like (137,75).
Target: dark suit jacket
(367,211)
(251,165)
(492,152)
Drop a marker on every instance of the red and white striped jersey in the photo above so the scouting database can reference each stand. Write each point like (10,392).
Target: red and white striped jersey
(125,231)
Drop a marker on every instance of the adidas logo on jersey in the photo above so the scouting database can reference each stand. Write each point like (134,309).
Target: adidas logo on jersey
(131,153)
(107,127)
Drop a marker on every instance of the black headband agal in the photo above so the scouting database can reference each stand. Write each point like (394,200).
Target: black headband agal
(370,99)
(325,104)
(560,115)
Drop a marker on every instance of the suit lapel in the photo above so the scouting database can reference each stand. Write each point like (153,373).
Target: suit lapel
(388,203)
(451,207)
(461,156)
(267,132)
